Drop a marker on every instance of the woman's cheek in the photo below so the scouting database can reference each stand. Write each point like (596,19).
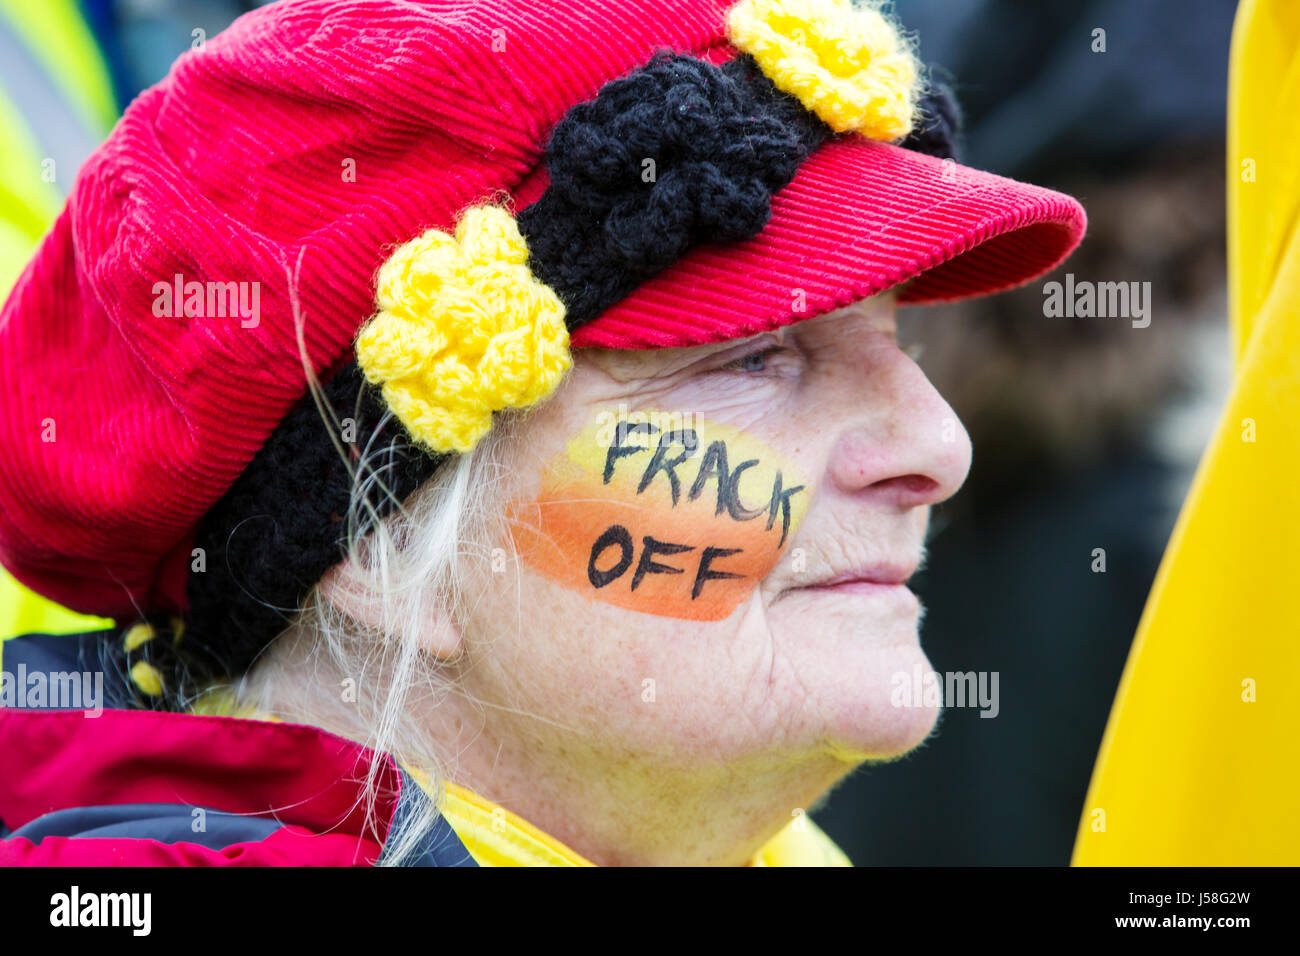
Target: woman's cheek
(680,517)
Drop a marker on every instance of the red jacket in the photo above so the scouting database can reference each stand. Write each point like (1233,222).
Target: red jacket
(139,787)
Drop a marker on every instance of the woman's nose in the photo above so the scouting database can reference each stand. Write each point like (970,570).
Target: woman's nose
(902,446)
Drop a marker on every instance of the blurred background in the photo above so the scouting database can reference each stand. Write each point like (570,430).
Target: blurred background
(1086,430)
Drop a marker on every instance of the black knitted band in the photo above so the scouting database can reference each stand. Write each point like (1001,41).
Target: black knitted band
(281,526)
(678,152)
(938,130)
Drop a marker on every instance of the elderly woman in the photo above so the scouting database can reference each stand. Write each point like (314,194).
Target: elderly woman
(485,423)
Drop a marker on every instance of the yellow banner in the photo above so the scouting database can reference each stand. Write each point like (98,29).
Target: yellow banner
(1199,764)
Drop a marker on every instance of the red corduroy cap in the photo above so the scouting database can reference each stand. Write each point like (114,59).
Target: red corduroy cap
(311,138)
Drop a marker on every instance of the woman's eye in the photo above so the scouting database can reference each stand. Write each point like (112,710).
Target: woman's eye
(755,361)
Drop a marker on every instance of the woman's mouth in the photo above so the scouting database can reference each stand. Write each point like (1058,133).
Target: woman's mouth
(880,582)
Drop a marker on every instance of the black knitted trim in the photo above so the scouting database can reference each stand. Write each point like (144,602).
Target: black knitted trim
(938,133)
(722,140)
(282,525)
(676,153)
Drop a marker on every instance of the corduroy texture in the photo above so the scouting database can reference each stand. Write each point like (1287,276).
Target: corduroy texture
(956,231)
(677,153)
(327,132)
(330,129)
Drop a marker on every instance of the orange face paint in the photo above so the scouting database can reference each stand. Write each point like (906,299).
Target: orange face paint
(681,520)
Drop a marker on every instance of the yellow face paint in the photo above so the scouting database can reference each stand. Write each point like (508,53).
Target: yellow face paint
(682,520)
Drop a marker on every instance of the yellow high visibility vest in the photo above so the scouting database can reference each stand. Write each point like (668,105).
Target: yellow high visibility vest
(1200,763)
(50,46)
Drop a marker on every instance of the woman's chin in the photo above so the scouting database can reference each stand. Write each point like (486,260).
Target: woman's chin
(885,713)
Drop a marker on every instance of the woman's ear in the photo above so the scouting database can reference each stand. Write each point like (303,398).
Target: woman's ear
(346,587)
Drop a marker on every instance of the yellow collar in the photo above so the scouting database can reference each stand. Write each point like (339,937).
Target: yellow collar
(496,837)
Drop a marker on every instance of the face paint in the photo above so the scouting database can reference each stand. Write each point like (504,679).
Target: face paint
(682,521)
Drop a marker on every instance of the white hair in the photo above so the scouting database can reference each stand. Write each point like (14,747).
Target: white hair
(412,563)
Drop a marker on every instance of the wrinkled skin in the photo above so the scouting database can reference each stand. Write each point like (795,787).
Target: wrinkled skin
(750,719)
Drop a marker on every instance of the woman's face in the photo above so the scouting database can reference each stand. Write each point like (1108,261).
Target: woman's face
(704,549)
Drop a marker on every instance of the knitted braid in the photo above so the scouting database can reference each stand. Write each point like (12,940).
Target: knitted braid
(938,133)
(679,152)
(274,533)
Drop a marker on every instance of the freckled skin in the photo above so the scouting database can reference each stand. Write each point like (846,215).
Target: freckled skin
(756,714)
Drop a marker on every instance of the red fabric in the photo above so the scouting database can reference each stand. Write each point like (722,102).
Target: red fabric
(288,846)
(239,167)
(310,780)
(858,218)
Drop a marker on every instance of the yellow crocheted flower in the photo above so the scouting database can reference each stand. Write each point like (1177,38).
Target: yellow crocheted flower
(463,330)
(847,63)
